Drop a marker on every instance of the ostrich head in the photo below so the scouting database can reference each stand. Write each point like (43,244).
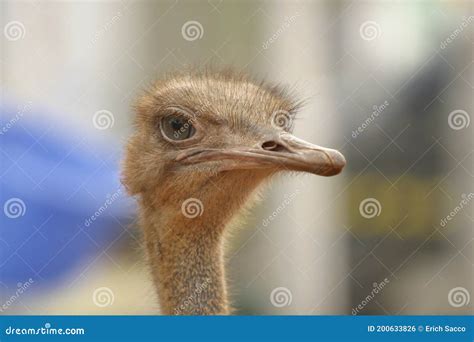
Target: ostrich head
(203,143)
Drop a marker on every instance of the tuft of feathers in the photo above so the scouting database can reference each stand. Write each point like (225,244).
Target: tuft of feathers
(228,94)
(186,254)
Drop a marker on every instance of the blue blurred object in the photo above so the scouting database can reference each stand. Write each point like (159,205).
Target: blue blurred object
(61,199)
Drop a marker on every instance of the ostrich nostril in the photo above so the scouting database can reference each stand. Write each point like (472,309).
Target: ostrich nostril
(273,146)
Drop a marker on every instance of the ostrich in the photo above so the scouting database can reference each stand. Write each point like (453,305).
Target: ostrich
(203,143)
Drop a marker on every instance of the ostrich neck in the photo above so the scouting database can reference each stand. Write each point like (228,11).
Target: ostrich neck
(186,256)
(186,252)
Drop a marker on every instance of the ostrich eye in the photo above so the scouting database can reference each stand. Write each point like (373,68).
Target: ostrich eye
(177,128)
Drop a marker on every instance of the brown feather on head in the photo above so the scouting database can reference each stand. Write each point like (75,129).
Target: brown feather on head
(220,121)
(211,137)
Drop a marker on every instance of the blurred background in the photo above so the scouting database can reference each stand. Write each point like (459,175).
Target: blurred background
(390,84)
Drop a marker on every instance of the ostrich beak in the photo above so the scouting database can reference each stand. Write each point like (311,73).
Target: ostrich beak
(282,152)
(295,154)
